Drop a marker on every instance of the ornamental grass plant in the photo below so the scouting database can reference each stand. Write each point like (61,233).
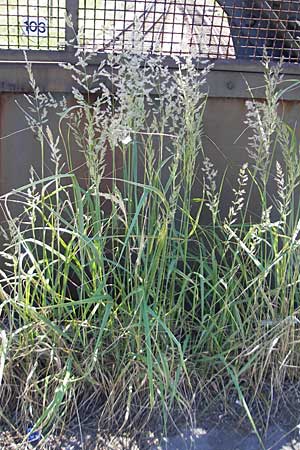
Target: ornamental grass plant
(118,303)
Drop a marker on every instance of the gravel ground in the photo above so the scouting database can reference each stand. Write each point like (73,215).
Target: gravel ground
(221,428)
(220,436)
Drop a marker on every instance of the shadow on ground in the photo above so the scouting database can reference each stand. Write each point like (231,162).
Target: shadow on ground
(223,437)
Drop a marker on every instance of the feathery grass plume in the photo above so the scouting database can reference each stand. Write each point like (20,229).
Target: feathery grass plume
(282,201)
(262,119)
(239,196)
(210,187)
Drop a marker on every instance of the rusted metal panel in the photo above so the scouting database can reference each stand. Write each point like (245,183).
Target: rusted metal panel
(224,80)
(49,77)
(225,139)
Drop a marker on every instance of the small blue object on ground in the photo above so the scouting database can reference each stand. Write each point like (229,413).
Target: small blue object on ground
(33,436)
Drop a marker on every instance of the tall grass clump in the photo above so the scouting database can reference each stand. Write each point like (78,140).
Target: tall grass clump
(248,270)
(115,300)
(96,274)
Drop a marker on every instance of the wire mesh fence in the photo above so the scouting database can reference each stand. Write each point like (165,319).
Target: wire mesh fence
(38,24)
(217,29)
(166,26)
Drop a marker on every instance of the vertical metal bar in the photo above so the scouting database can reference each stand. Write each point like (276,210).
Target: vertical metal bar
(192,25)
(173,22)
(124,37)
(7,21)
(135,16)
(144,23)
(164,18)
(114,24)
(94,21)
(72,7)
(57,22)
(287,34)
(18,24)
(38,21)
(28,15)
(150,25)
(49,18)
(83,17)
(221,50)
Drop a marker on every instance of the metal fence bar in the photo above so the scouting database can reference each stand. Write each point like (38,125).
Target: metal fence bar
(33,55)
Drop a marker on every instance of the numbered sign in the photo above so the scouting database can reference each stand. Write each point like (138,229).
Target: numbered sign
(35,26)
